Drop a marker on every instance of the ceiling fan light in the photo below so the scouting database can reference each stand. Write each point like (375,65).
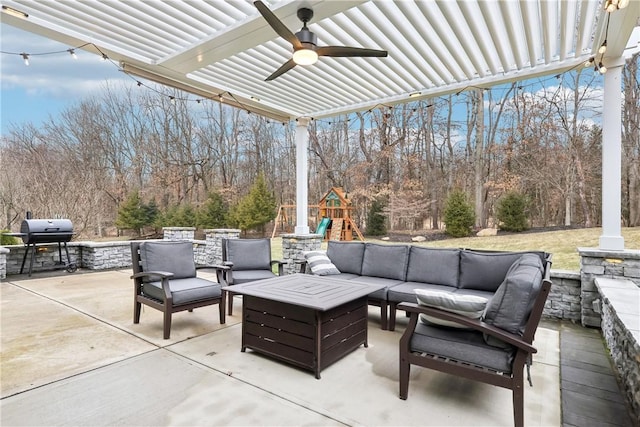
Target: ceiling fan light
(305,57)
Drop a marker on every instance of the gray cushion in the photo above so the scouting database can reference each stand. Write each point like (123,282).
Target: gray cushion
(462,345)
(380,293)
(319,263)
(244,276)
(486,270)
(511,305)
(406,292)
(184,291)
(471,306)
(346,256)
(170,256)
(388,261)
(436,266)
(249,254)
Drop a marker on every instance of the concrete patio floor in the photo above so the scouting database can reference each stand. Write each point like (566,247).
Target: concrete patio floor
(72,356)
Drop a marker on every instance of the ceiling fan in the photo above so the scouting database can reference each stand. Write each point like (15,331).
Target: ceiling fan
(305,43)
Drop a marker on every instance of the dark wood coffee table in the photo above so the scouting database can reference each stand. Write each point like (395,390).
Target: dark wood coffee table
(305,320)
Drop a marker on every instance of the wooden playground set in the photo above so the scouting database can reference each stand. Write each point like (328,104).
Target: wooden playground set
(332,215)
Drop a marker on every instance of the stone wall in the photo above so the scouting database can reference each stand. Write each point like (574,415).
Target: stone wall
(109,255)
(620,324)
(178,233)
(603,263)
(563,301)
(46,257)
(3,262)
(105,255)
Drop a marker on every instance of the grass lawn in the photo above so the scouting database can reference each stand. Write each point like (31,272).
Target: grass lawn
(563,244)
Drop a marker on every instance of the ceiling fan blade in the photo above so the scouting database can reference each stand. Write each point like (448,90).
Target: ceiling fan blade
(280,71)
(277,25)
(345,51)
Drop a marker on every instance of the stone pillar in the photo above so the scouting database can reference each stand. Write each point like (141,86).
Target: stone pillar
(603,263)
(3,262)
(179,233)
(214,238)
(293,246)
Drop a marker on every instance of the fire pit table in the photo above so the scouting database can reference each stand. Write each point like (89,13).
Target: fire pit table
(305,320)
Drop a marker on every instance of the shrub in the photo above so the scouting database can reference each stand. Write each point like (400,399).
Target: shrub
(375,220)
(511,212)
(8,240)
(214,213)
(458,215)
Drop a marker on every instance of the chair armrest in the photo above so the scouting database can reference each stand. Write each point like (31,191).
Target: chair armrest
(160,274)
(474,324)
(215,266)
(280,264)
(302,265)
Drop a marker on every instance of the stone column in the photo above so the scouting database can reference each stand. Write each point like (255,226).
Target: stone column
(603,263)
(293,246)
(179,233)
(214,238)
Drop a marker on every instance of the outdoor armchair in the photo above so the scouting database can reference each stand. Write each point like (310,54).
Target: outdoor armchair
(494,349)
(247,260)
(164,277)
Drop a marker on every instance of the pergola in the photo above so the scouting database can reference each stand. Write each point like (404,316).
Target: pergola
(224,50)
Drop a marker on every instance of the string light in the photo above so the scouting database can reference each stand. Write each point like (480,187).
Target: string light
(613,5)
(603,47)
(600,68)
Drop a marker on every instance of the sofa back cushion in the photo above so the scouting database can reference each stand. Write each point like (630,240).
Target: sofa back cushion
(435,266)
(485,271)
(248,254)
(170,256)
(346,256)
(388,261)
(511,305)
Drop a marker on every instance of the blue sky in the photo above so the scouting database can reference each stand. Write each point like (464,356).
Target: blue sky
(50,83)
(56,81)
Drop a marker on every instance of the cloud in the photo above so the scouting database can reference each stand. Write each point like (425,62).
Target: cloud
(55,75)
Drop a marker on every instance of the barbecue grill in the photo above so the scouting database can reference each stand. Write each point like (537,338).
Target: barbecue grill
(34,231)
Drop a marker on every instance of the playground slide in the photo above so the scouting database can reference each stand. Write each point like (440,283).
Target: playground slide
(322,227)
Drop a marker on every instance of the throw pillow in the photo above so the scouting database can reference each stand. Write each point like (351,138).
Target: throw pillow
(471,306)
(320,263)
(511,305)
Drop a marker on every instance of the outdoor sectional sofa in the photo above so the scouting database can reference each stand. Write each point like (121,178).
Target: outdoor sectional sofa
(403,269)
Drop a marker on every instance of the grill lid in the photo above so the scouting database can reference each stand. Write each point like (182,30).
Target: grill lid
(46,230)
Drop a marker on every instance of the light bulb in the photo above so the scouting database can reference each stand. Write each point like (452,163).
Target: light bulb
(603,47)
(305,57)
(73,53)
(588,63)
(25,57)
(623,3)
(104,57)
(602,68)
